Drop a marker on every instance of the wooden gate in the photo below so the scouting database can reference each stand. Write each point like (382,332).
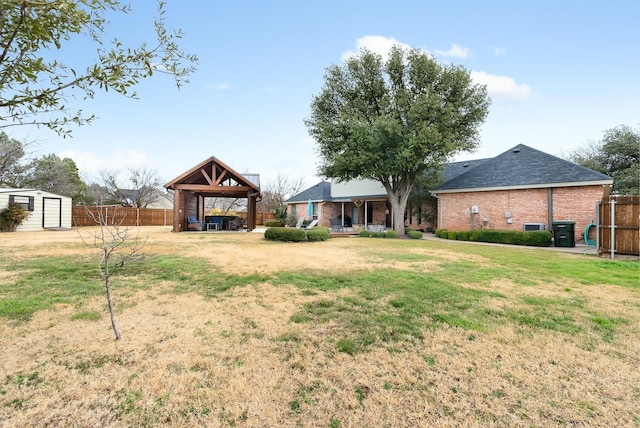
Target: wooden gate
(622,215)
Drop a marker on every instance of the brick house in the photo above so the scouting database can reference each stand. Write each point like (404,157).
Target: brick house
(361,203)
(522,186)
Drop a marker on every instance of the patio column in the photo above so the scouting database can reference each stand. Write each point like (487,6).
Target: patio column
(177,211)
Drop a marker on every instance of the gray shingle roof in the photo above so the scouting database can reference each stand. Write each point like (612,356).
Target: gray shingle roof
(521,166)
(317,192)
(452,170)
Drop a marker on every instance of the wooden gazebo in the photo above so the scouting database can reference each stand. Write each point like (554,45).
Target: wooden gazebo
(211,178)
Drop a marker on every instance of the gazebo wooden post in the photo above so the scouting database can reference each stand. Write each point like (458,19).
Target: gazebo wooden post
(177,211)
(251,211)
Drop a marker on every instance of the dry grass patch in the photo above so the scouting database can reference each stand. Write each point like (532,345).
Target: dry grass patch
(266,350)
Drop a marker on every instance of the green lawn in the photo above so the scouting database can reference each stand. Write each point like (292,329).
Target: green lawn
(232,330)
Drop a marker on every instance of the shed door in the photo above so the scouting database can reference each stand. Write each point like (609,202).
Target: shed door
(51,212)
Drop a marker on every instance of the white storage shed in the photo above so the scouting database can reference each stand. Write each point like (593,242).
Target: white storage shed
(47,210)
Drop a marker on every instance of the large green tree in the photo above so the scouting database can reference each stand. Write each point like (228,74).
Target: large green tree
(56,175)
(617,154)
(35,86)
(393,121)
(12,153)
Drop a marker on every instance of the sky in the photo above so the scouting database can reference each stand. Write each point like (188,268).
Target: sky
(559,73)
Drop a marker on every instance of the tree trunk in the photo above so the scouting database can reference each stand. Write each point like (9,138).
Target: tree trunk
(398,200)
(111,313)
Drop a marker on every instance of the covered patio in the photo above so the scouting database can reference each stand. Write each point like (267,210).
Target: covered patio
(211,178)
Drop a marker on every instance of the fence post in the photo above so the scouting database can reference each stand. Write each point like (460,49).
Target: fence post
(613,230)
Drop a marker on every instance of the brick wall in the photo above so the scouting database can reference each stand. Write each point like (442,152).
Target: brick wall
(525,206)
(324,212)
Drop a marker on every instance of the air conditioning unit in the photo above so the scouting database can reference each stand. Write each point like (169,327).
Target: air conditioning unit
(533,226)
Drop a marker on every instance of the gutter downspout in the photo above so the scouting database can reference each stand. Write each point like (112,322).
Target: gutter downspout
(598,228)
(550,208)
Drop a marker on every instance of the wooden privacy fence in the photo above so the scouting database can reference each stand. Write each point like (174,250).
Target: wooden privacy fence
(620,214)
(139,216)
(129,216)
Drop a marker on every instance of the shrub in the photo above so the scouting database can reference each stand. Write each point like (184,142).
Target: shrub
(463,235)
(291,220)
(452,234)
(274,223)
(11,217)
(318,234)
(285,234)
(388,234)
(441,233)
(537,238)
(415,234)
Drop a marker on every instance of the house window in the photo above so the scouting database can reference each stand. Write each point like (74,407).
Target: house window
(25,202)
(314,208)
(293,210)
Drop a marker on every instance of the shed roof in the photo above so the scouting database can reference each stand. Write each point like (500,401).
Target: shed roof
(521,167)
(38,192)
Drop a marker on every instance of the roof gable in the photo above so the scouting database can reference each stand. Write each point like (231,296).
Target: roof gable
(523,166)
(214,174)
(318,192)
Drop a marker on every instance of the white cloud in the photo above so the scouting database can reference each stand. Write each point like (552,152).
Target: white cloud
(91,163)
(498,50)
(502,86)
(216,87)
(378,44)
(455,52)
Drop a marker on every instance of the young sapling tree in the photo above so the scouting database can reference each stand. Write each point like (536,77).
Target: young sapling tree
(117,245)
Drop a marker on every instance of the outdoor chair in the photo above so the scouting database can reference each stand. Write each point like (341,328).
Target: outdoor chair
(311,225)
(194,224)
(215,223)
(299,223)
(336,224)
(236,224)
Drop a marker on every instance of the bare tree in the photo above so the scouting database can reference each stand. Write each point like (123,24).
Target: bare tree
(146,184)
(109,183)
(116,245)
(277,191)
(142,189)
(226,205)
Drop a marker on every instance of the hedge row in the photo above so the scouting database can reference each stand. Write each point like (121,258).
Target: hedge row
(291,234)
(537,238)
(413,234)
(387,234)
